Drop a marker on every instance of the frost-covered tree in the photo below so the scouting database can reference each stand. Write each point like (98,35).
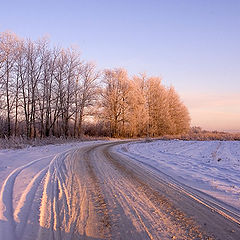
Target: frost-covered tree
(114,100)
(138,112)
(141,106)
(157,104)
(48,91)
(180,119)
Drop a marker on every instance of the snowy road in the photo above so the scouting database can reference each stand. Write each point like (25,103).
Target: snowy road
(93,192)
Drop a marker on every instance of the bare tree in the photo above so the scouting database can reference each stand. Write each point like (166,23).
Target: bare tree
(51,91)
(8,46)
(88,91)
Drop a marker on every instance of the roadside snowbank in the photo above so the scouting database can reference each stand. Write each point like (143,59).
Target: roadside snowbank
(212,167)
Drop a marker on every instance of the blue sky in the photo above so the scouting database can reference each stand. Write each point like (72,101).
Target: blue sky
(193,45)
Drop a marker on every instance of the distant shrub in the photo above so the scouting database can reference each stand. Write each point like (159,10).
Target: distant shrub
(196,133)
(23,142)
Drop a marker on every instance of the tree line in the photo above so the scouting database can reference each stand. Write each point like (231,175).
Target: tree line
(50,91)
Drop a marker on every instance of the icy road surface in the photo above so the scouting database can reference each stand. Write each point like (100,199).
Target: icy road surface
(91,191)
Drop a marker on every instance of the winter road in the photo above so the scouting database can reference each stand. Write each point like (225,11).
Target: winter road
(93,192)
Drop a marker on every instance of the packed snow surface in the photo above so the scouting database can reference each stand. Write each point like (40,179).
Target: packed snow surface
(60,191)
(28,179)
(213,167)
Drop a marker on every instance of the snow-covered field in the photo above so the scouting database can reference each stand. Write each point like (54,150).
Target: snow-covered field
(213,167)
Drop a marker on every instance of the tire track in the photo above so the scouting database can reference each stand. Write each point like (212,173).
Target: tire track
(94,193)
(213,204)
(23,208)
(8,227)
(98,199)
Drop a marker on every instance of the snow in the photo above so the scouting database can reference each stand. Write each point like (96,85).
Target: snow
(22,174)
(30,203)
(212,167)
(10,159)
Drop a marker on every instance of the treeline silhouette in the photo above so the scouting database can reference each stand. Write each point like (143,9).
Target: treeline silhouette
(51,91)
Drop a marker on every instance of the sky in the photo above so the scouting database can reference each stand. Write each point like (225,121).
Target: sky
(193,45)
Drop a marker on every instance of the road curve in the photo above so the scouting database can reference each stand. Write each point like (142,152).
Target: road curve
(95,193)
(140,205)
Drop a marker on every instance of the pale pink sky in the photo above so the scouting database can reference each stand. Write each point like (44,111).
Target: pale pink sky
(214,111)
